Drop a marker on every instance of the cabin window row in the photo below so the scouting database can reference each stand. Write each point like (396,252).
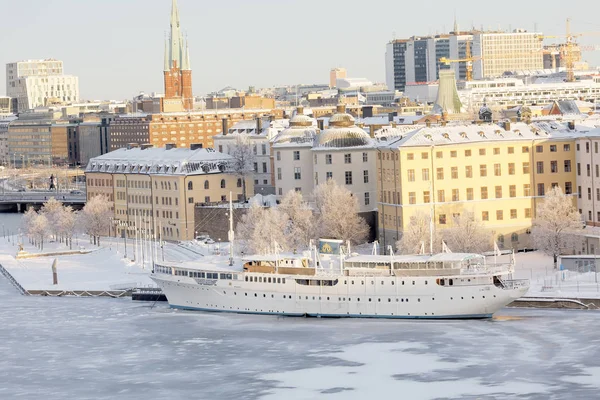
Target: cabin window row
(260,279)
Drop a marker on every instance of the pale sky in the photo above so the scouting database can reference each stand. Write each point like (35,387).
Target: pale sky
(116,46)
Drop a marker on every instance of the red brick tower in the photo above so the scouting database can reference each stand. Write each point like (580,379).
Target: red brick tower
(177,69)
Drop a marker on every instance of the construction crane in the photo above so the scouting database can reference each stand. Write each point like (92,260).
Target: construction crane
(468,60)
(570,48)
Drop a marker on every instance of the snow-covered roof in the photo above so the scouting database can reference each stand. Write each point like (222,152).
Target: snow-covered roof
(471,133)
(161,161)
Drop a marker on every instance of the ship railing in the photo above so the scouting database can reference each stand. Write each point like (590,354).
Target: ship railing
(487,269)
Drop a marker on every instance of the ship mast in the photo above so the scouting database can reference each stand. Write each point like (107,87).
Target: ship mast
(230,234)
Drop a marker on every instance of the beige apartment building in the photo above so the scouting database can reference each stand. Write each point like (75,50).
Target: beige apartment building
(499,173)
(159,188)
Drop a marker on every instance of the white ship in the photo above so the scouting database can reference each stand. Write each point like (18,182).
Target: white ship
(337,284)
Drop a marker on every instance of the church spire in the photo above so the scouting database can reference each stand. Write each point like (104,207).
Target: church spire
(176,39)
(167,64)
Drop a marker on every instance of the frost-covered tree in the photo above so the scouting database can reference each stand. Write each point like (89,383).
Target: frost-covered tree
(301,228)
(27,222)
(557,226)
(467,234)
(95,217)
(337,212)
(417,235)
(261,230)
(66,222)
(52,209)
(243,160)
(39,228)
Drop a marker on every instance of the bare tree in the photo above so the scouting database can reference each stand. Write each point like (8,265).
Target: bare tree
(261,229)
(557,225)
(418,235)
(300,229)
(337,213)
(243,160)
(96,217)
(27,222)
(467,234)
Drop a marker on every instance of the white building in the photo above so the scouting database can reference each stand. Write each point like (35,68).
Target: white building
(259,133)
(293,157)
(508,92)
(344,152)
(499,52)
(4,153)
(36,83)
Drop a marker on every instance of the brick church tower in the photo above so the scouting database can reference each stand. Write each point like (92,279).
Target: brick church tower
(178,70)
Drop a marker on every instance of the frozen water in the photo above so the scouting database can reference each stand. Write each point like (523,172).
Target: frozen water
(84,348)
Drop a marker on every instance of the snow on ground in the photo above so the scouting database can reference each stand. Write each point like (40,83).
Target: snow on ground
(105,268)
(547,282)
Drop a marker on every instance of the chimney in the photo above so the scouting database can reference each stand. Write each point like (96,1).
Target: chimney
(571,125)
(170,146)
(195,146)
(132,146)
(258,125)
(507,126)
(428,123)
(146,146)
(225,126)
(372,131)
(321,124)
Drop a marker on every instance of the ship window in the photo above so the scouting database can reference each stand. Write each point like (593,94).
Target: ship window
(426,282)
(358,299)
(246,279)
(413,282)
(255,295)
(362,282)
(379,300)
(260,279)
(353,282)
(389,300)
(278,280)
(402,300)
(328,298)
(282,280)
(369,299)
(264,295)
(269,280)
(451,282)
(403,282)
(202,275)
(393,283)
(419,300)
(382,282)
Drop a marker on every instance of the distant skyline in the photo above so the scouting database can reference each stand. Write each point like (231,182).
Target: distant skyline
(116,46)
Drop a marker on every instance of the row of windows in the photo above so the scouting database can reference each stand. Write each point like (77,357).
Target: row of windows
(497,168)
(394,197)
(328,157)
(483,151)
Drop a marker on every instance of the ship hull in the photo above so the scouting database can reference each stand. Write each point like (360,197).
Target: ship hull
(350,297)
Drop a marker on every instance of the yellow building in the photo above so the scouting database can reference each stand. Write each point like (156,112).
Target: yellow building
(160,187)
(497,172)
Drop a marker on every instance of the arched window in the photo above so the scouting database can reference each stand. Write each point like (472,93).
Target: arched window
(514,237)
(222,183)
(500,238)
(239,182)
(190,186)
(206,184)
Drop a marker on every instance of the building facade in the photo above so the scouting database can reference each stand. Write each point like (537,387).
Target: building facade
(499,52)
(157,189)
(40,83)
(395,64)
(256,134)
(499,173)
(335,74)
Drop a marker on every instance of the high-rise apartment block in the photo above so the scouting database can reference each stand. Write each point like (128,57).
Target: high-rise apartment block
(177,69)
(417,59)
(39,83)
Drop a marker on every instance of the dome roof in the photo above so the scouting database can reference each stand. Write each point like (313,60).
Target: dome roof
(301,130)
(342,132)
(300,119)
